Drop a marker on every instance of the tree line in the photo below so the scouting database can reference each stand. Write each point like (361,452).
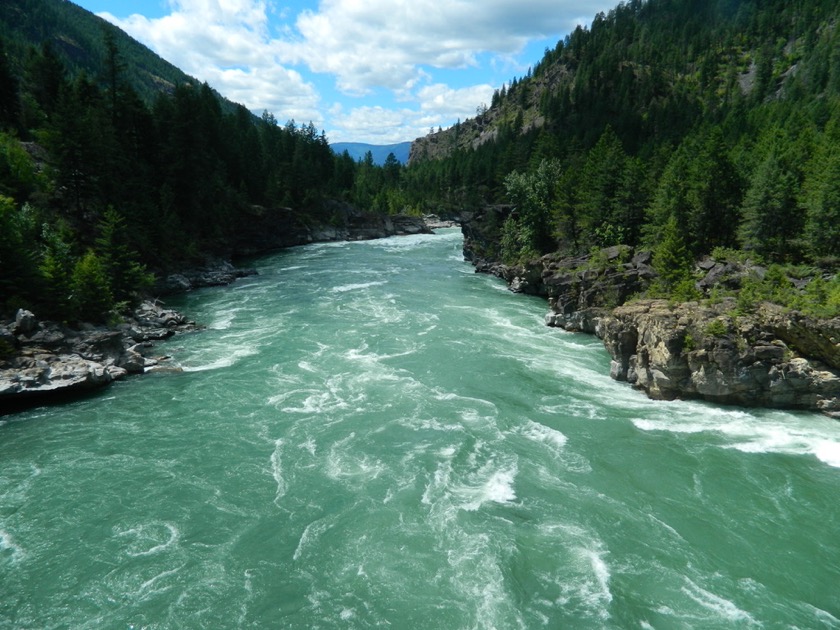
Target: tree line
(717,121)
(99,188)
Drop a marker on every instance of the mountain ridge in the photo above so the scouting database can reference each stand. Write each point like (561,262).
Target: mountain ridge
(77,37)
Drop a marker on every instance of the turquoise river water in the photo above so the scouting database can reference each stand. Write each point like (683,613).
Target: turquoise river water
(370,435)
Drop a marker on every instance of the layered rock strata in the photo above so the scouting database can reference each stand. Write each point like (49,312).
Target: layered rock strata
(768,358)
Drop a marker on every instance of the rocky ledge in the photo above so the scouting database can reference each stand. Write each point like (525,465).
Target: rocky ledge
(767,358)
(213,273)
(270,229)
(42,360)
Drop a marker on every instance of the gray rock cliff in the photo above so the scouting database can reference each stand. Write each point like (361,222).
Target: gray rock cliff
(770,357)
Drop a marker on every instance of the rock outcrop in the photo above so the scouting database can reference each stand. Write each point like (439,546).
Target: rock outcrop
(42,360)
(579,289)
(768,358)
(434,222)
(214,273)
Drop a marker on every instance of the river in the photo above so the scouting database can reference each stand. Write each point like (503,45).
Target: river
(368,434)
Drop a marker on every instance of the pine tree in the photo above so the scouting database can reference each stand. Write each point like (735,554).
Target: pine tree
(823,210)
(9,96)
(91,297)
(20,279)
(771,218)
(601,191)
(57,265)
(127,278)
(673,261)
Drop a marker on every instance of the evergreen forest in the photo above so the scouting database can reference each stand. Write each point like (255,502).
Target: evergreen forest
(103,185)
(689,127)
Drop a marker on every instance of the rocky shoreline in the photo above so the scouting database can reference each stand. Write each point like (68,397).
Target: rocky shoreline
(768,357)
(270,229)
(44,361)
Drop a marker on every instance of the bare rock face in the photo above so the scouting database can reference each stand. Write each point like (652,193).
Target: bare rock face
(43,374)
(42,360)
(716,354)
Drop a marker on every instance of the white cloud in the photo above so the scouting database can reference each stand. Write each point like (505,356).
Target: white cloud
(385,43)
(449,103)
(258,53)
(438,106)
(226,43)
(373,124)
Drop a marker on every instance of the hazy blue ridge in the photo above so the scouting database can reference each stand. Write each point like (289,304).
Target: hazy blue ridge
(380,152)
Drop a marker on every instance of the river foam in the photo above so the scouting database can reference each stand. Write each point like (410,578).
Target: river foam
(775,432)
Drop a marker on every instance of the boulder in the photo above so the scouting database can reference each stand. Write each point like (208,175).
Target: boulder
(52,374)
(132,362)
(25,322)
(175,283)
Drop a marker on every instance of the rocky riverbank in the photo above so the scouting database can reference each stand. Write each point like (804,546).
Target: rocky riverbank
(709,350)
(43,360)
(269,229)
(766,358)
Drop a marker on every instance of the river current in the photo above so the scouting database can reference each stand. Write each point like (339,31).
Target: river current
(369,434)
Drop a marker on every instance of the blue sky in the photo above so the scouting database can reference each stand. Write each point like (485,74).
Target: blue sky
(377,71)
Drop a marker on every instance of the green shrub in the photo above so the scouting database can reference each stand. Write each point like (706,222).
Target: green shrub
(727,254)
(717,328)
(685,291)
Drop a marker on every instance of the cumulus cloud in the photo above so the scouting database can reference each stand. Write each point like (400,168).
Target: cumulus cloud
(438,105)
(385,43)
(450,103)
(227,44)
(373,124)
(258,53)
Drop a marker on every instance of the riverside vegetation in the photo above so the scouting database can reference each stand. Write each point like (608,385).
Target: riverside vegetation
(704,133)
(118,172)
(678,151)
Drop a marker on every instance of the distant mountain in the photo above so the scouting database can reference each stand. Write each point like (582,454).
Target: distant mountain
(379,152)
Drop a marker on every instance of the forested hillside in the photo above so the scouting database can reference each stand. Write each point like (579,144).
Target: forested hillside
(695,124)
(685,126)
(78,39)
(101,184)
